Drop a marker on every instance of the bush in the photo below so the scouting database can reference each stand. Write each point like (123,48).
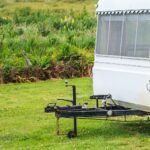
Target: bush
(58,43)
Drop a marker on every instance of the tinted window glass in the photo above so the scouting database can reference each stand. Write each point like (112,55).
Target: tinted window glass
(126,35)
(129,35)
(143,37)
(102,35)
(115,33)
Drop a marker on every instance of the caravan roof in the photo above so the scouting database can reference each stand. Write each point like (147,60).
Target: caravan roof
(117,5)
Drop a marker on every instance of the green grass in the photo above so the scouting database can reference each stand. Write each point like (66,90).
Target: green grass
(76,5)
(53,34)
(24,125)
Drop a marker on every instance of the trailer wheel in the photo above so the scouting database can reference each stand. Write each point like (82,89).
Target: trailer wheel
(71,134)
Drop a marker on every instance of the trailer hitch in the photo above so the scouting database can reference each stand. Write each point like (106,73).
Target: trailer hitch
(51,107)
(72,134)
(74,111)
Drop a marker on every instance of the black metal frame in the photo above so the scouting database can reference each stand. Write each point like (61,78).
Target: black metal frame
(74,111)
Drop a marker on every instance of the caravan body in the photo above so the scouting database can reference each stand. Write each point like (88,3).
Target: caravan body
(122,53)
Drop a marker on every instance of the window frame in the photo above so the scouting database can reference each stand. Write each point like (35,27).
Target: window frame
(123,20)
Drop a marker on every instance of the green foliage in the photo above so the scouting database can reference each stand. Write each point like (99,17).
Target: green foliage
(51,39)
(3,21)
(44,28)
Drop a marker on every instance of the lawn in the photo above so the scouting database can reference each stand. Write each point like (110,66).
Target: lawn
(24,125)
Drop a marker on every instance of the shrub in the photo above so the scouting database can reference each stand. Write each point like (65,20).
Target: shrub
(58,43)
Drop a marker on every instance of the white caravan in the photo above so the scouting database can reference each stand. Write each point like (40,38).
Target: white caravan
(122,53)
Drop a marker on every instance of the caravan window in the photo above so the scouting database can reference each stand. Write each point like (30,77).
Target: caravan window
(143,36)
(129,36)
(124,35)
(103,34)
(115,34)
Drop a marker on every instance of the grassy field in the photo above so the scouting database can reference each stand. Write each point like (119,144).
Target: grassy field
(25,126)
(39,38)
(76,5)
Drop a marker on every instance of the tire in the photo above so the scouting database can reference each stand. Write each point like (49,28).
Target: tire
(71,134)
